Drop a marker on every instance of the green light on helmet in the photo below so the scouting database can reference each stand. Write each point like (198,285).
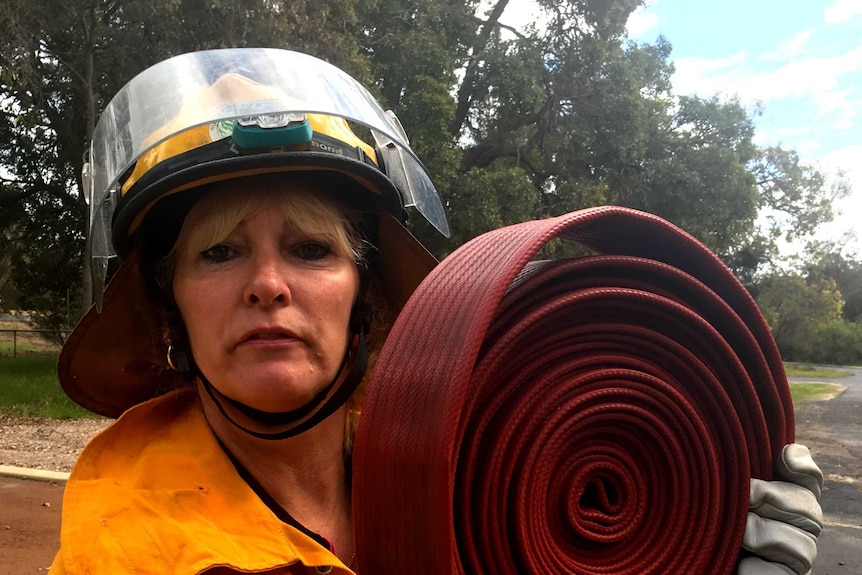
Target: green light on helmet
(268,131)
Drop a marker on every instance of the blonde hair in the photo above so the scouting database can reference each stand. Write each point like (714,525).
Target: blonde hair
(306,211)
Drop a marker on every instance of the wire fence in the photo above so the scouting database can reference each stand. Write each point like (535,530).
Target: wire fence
(17,342)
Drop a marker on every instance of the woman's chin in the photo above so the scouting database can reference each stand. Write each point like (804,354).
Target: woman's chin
(275,395)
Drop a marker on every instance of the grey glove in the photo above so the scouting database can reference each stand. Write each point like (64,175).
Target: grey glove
(784,517)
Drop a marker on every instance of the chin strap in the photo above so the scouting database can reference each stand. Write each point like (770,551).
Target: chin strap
(296,421)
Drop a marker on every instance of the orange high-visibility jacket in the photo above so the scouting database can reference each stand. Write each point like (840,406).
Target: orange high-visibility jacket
(155,493)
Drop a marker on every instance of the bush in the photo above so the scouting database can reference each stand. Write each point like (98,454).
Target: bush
(837,342)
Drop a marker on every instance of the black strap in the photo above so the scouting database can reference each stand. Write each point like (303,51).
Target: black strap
(358,360)
(282,417)
(270,501)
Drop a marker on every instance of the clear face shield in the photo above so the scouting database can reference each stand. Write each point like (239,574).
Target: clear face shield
(266,87)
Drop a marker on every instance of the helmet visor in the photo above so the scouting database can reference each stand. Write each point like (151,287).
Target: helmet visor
(189,90)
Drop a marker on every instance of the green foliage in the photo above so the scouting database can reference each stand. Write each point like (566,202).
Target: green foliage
(815,313)
(796,198)
(703,185)
(838,341)
(591,119)
(29,388)
(486,199)
(825,259)
(797,311)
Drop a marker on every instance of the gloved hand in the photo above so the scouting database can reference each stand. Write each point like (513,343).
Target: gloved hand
(784,518)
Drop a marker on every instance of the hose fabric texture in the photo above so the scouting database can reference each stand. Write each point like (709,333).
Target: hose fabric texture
(595,415)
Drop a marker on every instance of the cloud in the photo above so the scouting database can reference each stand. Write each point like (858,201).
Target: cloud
(803,138)
(833,101)
(807,146)
(707,76)
(817,79)
(794,132)
(843,157)
(842,11)
(792,47)
(640,22)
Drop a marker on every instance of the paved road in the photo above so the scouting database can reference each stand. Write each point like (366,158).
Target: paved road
(833,431)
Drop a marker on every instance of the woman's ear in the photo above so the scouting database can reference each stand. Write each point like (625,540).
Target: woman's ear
(166,334)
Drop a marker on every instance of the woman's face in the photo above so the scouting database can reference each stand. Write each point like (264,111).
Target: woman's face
(266,307)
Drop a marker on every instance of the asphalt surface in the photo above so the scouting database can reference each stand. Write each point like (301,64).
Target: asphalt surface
(833,431)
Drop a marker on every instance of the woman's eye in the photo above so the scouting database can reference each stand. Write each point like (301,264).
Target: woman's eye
(218,253)
(313,251)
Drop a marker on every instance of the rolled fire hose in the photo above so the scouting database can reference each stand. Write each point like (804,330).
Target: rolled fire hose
(595,415)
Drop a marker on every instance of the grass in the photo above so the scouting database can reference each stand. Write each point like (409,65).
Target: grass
(29,388)
(25,342)
(814,391)
(813,371)
(9,348)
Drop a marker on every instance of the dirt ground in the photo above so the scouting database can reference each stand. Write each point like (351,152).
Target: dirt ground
(29,524)
(49,444)
(30,510)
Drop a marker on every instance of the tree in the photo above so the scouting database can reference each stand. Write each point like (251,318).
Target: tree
(590,119)
(572,107)
(698,176)
(794,200)
(797,310)
(827,260)
(836,342)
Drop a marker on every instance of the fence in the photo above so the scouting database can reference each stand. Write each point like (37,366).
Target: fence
(18,342)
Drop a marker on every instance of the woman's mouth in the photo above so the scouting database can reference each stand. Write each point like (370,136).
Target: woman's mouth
(269,336)
(278,335)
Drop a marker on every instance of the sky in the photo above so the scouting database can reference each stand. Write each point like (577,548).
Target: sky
(800,60)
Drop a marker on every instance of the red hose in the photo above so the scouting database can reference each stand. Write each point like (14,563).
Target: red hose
(598,415)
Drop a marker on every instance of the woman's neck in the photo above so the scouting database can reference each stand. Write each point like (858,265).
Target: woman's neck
(304,474)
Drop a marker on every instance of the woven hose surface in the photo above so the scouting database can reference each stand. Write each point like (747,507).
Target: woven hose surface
(597,415)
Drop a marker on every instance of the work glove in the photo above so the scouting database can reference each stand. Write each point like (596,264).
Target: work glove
(784,517)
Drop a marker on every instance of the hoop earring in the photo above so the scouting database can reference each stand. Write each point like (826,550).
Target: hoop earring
(170,358)
(183,364)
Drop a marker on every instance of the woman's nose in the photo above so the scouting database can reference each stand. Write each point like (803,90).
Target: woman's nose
(267,283)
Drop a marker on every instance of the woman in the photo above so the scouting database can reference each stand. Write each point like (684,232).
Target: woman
(263,258)
(256,239)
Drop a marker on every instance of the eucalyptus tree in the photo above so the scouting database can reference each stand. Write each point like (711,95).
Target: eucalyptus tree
(586,117)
